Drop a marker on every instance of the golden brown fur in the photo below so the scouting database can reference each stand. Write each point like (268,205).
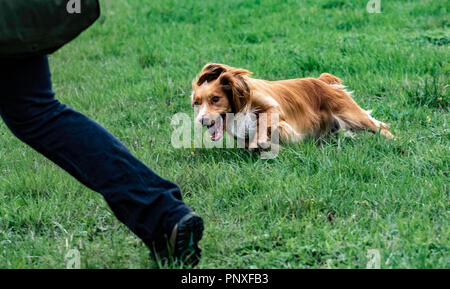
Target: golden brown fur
(306,106)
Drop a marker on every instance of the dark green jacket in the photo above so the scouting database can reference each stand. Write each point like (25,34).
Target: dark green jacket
(30,27)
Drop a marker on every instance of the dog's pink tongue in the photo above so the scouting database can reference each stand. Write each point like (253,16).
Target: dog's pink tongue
(216,131)
(217,135)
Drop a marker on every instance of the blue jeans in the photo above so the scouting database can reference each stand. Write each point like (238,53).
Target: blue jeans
(146,203)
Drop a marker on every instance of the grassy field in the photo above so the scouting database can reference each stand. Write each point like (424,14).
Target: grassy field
(314,206)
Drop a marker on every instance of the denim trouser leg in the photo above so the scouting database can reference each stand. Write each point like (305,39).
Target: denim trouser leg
(149,205)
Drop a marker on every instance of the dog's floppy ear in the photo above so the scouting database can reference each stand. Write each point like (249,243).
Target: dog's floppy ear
(234,84)
(210,72)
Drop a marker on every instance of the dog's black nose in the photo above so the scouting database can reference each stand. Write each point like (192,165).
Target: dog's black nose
(206,121)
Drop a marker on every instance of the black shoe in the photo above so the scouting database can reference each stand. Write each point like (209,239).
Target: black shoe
(183,243)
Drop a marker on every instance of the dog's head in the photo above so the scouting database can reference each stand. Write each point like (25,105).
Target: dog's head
(219,89)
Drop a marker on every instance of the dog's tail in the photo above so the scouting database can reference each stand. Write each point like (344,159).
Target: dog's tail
(330,79)
(350,116)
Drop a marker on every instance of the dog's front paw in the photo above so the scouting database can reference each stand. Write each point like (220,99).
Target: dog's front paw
(253,145)
(263,145)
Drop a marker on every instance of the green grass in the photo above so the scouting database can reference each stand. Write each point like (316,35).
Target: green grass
(314,206)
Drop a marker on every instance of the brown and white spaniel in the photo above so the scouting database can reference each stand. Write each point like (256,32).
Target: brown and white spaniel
(304,106)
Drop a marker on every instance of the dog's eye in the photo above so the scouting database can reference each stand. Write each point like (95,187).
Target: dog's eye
(196,103)
(215,99)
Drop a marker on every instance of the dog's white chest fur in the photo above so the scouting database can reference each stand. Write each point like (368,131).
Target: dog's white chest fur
(243,124)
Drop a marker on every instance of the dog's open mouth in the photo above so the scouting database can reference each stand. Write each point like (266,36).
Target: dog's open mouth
(217,128)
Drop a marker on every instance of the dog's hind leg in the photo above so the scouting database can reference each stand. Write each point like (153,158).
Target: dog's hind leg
(354,118)
(350,115)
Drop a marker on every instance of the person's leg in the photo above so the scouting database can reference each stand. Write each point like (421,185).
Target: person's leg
(149,205)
